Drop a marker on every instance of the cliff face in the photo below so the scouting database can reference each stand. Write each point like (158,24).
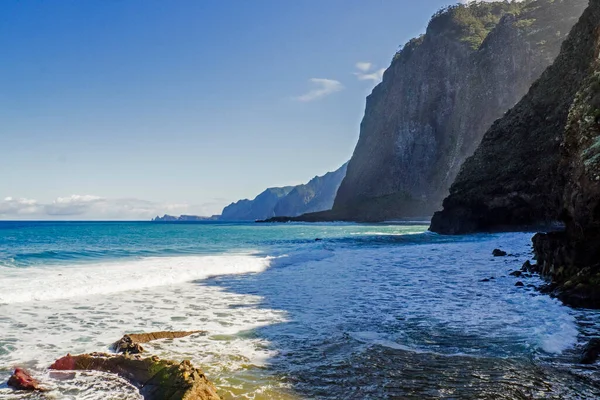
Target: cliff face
(316,195)
(513,180)
(260,208)
(572,258)
(437,99)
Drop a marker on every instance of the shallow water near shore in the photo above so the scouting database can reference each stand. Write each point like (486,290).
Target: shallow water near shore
(370,311)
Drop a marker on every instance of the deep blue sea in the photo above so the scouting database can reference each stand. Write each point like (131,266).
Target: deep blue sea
(380,311)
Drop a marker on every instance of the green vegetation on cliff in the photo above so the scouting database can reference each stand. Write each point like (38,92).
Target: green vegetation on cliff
(441,93)
(471,23)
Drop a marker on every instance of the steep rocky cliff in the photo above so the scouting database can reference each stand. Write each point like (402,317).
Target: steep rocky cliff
(316,195)
(437,99)
(513,181)
(572,258)
(260,207)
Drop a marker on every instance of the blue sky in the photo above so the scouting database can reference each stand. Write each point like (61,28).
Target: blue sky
(124,109)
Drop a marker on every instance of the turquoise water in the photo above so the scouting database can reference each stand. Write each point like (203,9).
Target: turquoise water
(366,312)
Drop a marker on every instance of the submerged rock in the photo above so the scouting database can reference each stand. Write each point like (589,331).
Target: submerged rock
(516,273)
(519,284)
(157,379)
(21,380)
(131,343)
(498,253)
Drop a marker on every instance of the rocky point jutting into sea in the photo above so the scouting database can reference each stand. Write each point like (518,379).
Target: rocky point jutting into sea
(539,165)
(441,93)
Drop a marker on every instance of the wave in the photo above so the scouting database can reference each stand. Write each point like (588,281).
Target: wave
(45,283)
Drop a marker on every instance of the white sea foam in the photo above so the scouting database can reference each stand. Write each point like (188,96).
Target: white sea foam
(311,307)
(20,285)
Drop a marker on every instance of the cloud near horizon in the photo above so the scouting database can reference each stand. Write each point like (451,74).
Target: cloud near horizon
(325,87)
(95,207)
(367,73)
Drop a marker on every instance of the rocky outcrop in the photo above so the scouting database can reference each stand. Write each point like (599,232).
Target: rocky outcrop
(316,195)
(541,163)
(131,343)
(21,380)
(513,181)
(440,94)
(572,258)
(157,379)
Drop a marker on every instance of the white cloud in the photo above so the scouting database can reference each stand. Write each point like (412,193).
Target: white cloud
(363,66)
(325,87)
(375,76)
(72,205)
(366,72)
(93,207)
(19,207)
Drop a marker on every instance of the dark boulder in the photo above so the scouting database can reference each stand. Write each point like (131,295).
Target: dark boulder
(591,352)
(498,253)
(528,267)
(519,284)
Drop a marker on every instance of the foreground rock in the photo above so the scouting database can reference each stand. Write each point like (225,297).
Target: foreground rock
(21,380)
(131,343)
(157,379)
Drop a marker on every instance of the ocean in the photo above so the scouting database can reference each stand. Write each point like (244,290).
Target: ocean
(382,311)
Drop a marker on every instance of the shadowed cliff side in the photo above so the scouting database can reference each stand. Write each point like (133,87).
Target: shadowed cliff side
(572,258)
(440,94)
(512,180)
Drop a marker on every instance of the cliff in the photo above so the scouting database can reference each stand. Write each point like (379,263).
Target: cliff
(261,207)
(572,258)
(513,181)
(316,195)
(440,94)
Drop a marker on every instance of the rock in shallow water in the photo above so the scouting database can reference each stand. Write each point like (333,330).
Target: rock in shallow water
(591,352)
(157,379)
(131,343)
(498,253)
(21,380)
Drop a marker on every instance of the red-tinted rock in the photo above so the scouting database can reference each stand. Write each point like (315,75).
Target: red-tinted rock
(157,379)
(21,380)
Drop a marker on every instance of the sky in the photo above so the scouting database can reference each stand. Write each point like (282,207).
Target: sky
(126,109)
